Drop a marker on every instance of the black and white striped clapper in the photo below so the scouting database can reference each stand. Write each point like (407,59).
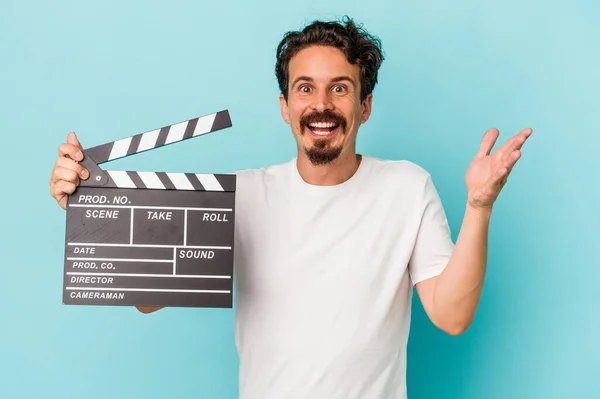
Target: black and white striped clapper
(151,238)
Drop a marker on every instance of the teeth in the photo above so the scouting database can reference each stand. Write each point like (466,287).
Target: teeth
(322,125)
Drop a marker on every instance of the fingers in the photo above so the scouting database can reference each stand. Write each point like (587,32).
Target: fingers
(516,142)
(510,152)
(65,165)
(502,173)
(503,160)
(63,182)
(512,159)
(62,188)
(71,150)
(63,174)
(519,139)
(72,139)
(67,172)
(74,150)
(487,142)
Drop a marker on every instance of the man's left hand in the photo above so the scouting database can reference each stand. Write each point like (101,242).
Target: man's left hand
(487,174)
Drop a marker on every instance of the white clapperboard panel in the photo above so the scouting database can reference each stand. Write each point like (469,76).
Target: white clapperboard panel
(151,238)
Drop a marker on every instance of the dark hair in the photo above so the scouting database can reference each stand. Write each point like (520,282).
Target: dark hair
(358,46)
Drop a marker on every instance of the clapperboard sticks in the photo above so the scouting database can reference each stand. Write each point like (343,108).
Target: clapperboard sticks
(148,141)
(151,238)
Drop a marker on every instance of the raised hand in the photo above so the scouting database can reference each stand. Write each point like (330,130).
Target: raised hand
(67,172)
(488,173)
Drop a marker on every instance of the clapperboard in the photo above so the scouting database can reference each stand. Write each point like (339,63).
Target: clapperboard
(151,238)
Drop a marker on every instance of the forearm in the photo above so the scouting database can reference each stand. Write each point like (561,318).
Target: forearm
(458,288)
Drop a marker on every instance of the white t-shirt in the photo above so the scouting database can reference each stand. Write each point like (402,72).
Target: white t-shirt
(324,278)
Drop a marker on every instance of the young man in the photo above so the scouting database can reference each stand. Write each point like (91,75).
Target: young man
(329,245)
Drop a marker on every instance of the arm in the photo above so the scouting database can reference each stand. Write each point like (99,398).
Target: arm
(65,178)
(451,299)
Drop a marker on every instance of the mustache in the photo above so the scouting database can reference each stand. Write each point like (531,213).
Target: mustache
(325,116)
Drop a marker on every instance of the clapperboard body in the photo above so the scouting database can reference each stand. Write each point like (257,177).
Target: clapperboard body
(151,238)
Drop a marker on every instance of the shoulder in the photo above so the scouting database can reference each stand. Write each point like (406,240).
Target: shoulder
(263,176)
(404,181)
(271,170)
(402,170)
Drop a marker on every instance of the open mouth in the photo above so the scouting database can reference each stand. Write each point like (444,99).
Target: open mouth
(323,129)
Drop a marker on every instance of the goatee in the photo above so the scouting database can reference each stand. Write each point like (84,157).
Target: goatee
(321,154)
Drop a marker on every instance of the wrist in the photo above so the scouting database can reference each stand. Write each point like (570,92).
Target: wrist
(479,211)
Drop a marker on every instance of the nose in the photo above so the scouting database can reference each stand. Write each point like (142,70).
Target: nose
(322,101)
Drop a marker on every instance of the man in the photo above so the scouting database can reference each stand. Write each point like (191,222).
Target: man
(329,245)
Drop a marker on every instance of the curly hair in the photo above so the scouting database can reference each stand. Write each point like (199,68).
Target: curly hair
(357,44)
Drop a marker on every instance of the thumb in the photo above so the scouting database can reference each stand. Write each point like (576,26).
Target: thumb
(72,139)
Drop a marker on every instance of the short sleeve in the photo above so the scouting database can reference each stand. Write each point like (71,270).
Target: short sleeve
(433,245)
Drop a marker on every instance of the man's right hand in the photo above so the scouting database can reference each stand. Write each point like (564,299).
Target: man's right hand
(67,172)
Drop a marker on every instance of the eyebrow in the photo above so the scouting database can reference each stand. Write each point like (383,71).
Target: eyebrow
(334,80)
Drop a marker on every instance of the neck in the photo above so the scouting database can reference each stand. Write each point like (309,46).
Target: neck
(336,172)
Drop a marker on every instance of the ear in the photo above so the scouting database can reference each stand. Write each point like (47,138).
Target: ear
(285,112)
(366,108)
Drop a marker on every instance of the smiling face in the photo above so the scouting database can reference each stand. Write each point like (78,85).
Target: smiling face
(323,105)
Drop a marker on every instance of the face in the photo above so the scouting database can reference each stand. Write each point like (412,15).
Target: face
(323,106)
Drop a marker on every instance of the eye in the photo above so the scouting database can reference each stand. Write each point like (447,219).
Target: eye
(304,89)
(339,89)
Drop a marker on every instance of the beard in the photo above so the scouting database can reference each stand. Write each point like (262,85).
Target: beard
(322,153)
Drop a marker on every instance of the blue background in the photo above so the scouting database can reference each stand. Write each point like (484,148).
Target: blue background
(111,69)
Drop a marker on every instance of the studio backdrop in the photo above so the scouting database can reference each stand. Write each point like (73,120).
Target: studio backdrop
(112,69)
